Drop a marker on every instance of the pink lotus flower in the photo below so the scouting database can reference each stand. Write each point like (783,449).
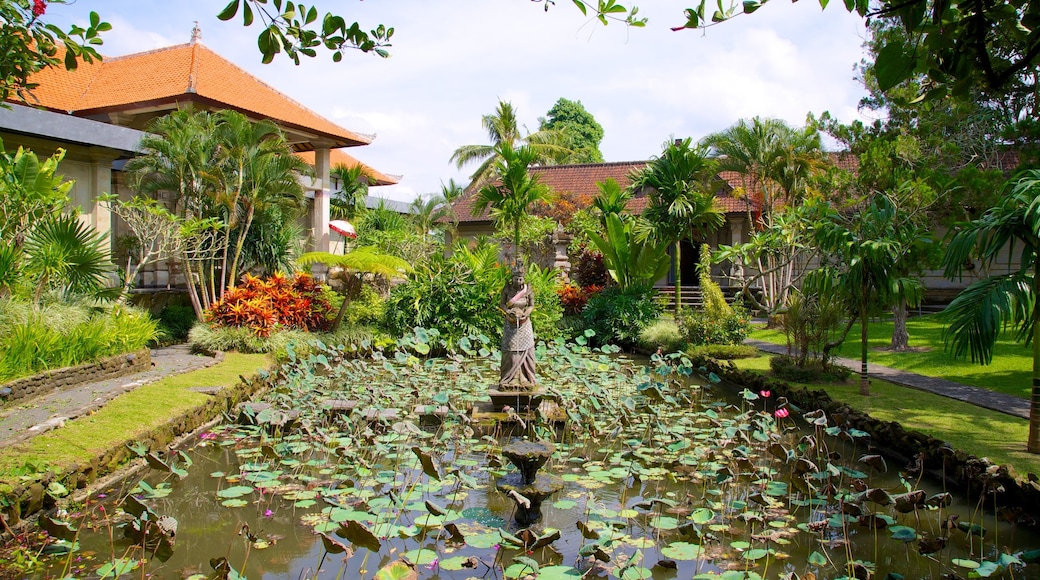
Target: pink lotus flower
(268,513)
(765,393)
(781,412)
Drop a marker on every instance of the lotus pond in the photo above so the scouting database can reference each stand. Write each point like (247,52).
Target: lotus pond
(375,465)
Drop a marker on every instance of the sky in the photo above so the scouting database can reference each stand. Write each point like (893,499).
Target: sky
(452,61)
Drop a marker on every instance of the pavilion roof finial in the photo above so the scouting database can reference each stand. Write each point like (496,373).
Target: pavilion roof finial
(196,33)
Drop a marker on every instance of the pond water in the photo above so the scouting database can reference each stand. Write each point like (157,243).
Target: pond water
(666,476)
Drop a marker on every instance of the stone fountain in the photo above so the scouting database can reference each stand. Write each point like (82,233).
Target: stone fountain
(526,487)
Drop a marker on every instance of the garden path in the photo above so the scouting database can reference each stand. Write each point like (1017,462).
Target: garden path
(29,418)
(1007,404)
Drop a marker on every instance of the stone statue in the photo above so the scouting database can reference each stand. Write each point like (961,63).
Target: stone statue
(517,334)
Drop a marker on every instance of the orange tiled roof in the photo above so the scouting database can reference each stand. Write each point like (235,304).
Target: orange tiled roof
(177,74)
(340,157)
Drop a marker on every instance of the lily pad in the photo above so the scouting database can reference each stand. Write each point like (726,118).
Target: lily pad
(682,551)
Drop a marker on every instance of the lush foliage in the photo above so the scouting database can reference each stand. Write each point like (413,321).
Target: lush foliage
(574,297)
(723,351)
(278,302)
(790,369)
(455,295)
(511,196)
(632,261)
(548,306)
(351,269)
(699,326)
(175,321)
(662,336)
(619,314)
(810,323)
(587,268)
(32,340)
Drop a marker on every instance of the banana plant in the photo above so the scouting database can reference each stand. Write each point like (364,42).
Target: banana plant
(630,260)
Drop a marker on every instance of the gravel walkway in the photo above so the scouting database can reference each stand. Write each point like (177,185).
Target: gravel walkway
(38,415)
(1007,404)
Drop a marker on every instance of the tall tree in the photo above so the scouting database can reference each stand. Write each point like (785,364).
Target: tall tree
(582,134)
(680,198)
(512,195)
(986,307)
(866,253)
(503,129)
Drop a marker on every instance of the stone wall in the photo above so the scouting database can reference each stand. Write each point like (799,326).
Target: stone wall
(59,379)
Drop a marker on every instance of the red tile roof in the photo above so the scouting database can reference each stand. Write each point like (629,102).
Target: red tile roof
(340,157)
(178,74)
(581,180)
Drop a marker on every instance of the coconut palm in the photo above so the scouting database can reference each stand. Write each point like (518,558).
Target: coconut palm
(773,159)
(349,201)
(502,129)
(979,313)
(176,151)
(512,195)
(679,198)
(355,265)
(427,212)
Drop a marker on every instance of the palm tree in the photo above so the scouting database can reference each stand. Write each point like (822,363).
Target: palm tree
(502,129)
(426,212)
(66,253)
(773,160)
(241,144)
(349,201)
(512,195)
(611,199)
(356,264)
(679,198)
(979,313)
(176,151)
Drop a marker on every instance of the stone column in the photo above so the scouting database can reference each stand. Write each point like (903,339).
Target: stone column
(320,214)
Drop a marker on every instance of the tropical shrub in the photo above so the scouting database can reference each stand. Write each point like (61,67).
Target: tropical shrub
(548,308)
(662,335)
(723,351)
(810,323)
(263,305)
(457,295)
(69,336)
(700,327)
(788,368)
(365,309)
(618,314)
(207,338)
(574,297)
(175,321)
(587,268)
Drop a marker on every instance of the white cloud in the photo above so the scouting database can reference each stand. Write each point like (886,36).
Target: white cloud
(453,61)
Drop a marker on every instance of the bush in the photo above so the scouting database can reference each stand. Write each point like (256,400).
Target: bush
(575,297)
(175,321)
(618,316)
(810,323)
(548,309)
(458,295)
(365,309)
(209,338)
(723,351)
(663,335)
(698,327)
(587,268)
(43,342)
(265,305)
(787,368)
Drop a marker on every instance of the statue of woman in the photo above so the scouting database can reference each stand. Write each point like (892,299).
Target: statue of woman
(517,334)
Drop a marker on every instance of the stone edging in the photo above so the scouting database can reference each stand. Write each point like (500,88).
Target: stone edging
(27,498)
(966,472)
(58,379)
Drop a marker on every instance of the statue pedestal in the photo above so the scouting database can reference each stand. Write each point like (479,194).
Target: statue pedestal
(518,400)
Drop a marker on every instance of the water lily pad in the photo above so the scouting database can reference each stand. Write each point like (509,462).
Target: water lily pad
(682,551)
(483,540)
(903,533)
(234,503)
(484,517)
(420,557)
(636,573)
(565,504)
(236,491)
(756,554)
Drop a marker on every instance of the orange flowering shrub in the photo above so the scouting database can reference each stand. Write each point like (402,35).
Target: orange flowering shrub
(264,305)
(574,297)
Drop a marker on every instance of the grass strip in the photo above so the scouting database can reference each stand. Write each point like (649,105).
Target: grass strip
(1010,373)
(978,431)
(128,416)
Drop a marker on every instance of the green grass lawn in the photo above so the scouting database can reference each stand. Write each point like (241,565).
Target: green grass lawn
(128,416)
(1010,372)
(981,432)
